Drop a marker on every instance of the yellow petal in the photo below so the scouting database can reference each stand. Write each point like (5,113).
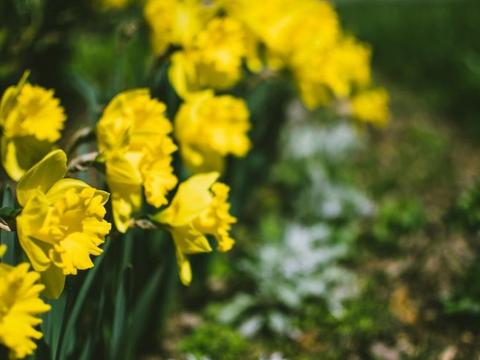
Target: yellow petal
(192,198)
(184,268)
(28,222)
(10,95)
(58,189)
(20,153)
(42,176)
(54,281)
(125,186)
(190,241)
(3,249)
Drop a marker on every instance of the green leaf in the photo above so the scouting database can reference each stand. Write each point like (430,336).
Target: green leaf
(67,336)
(8,212)
(120,312)
(52,323)
(141,313)
(8,238)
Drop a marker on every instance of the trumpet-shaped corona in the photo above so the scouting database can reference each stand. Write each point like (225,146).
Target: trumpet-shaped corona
(20,307)
(133,137)
(31,119)
(210,127)
(200,208)
(61,223)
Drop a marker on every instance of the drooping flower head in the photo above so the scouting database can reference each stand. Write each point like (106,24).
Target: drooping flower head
(133,137)
(176,22)
(210,127)
(214,59)
(200,208)
(61,223)
(31,119)
(20,306)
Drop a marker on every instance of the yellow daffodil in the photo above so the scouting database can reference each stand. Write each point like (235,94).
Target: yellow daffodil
(31,119)
(214,60)
(61,223)
(287,26)
(133,138)
(176,22)
(337,71)
(305,36)
(371,106)
(200,207)
(20,306)
(210,127)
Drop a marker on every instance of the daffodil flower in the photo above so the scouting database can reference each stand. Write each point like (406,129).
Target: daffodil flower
(20,307)
(209,127)
(133,138)
(61,223)
(31,119)
(200,208)
(214,59)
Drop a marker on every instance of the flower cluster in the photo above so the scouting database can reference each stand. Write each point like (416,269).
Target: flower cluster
(134,140)
(302,36)
(61,222)
(133,137)
(211,54)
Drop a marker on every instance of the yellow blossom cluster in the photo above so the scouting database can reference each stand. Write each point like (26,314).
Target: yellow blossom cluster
(133,138)
(302,36)
(61,223)
(210,46)
(210,53)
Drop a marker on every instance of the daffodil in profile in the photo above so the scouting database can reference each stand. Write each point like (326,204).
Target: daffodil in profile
(200,208)
(61,223)
(133,138)
(209,127)
(31,119)
(20,307)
